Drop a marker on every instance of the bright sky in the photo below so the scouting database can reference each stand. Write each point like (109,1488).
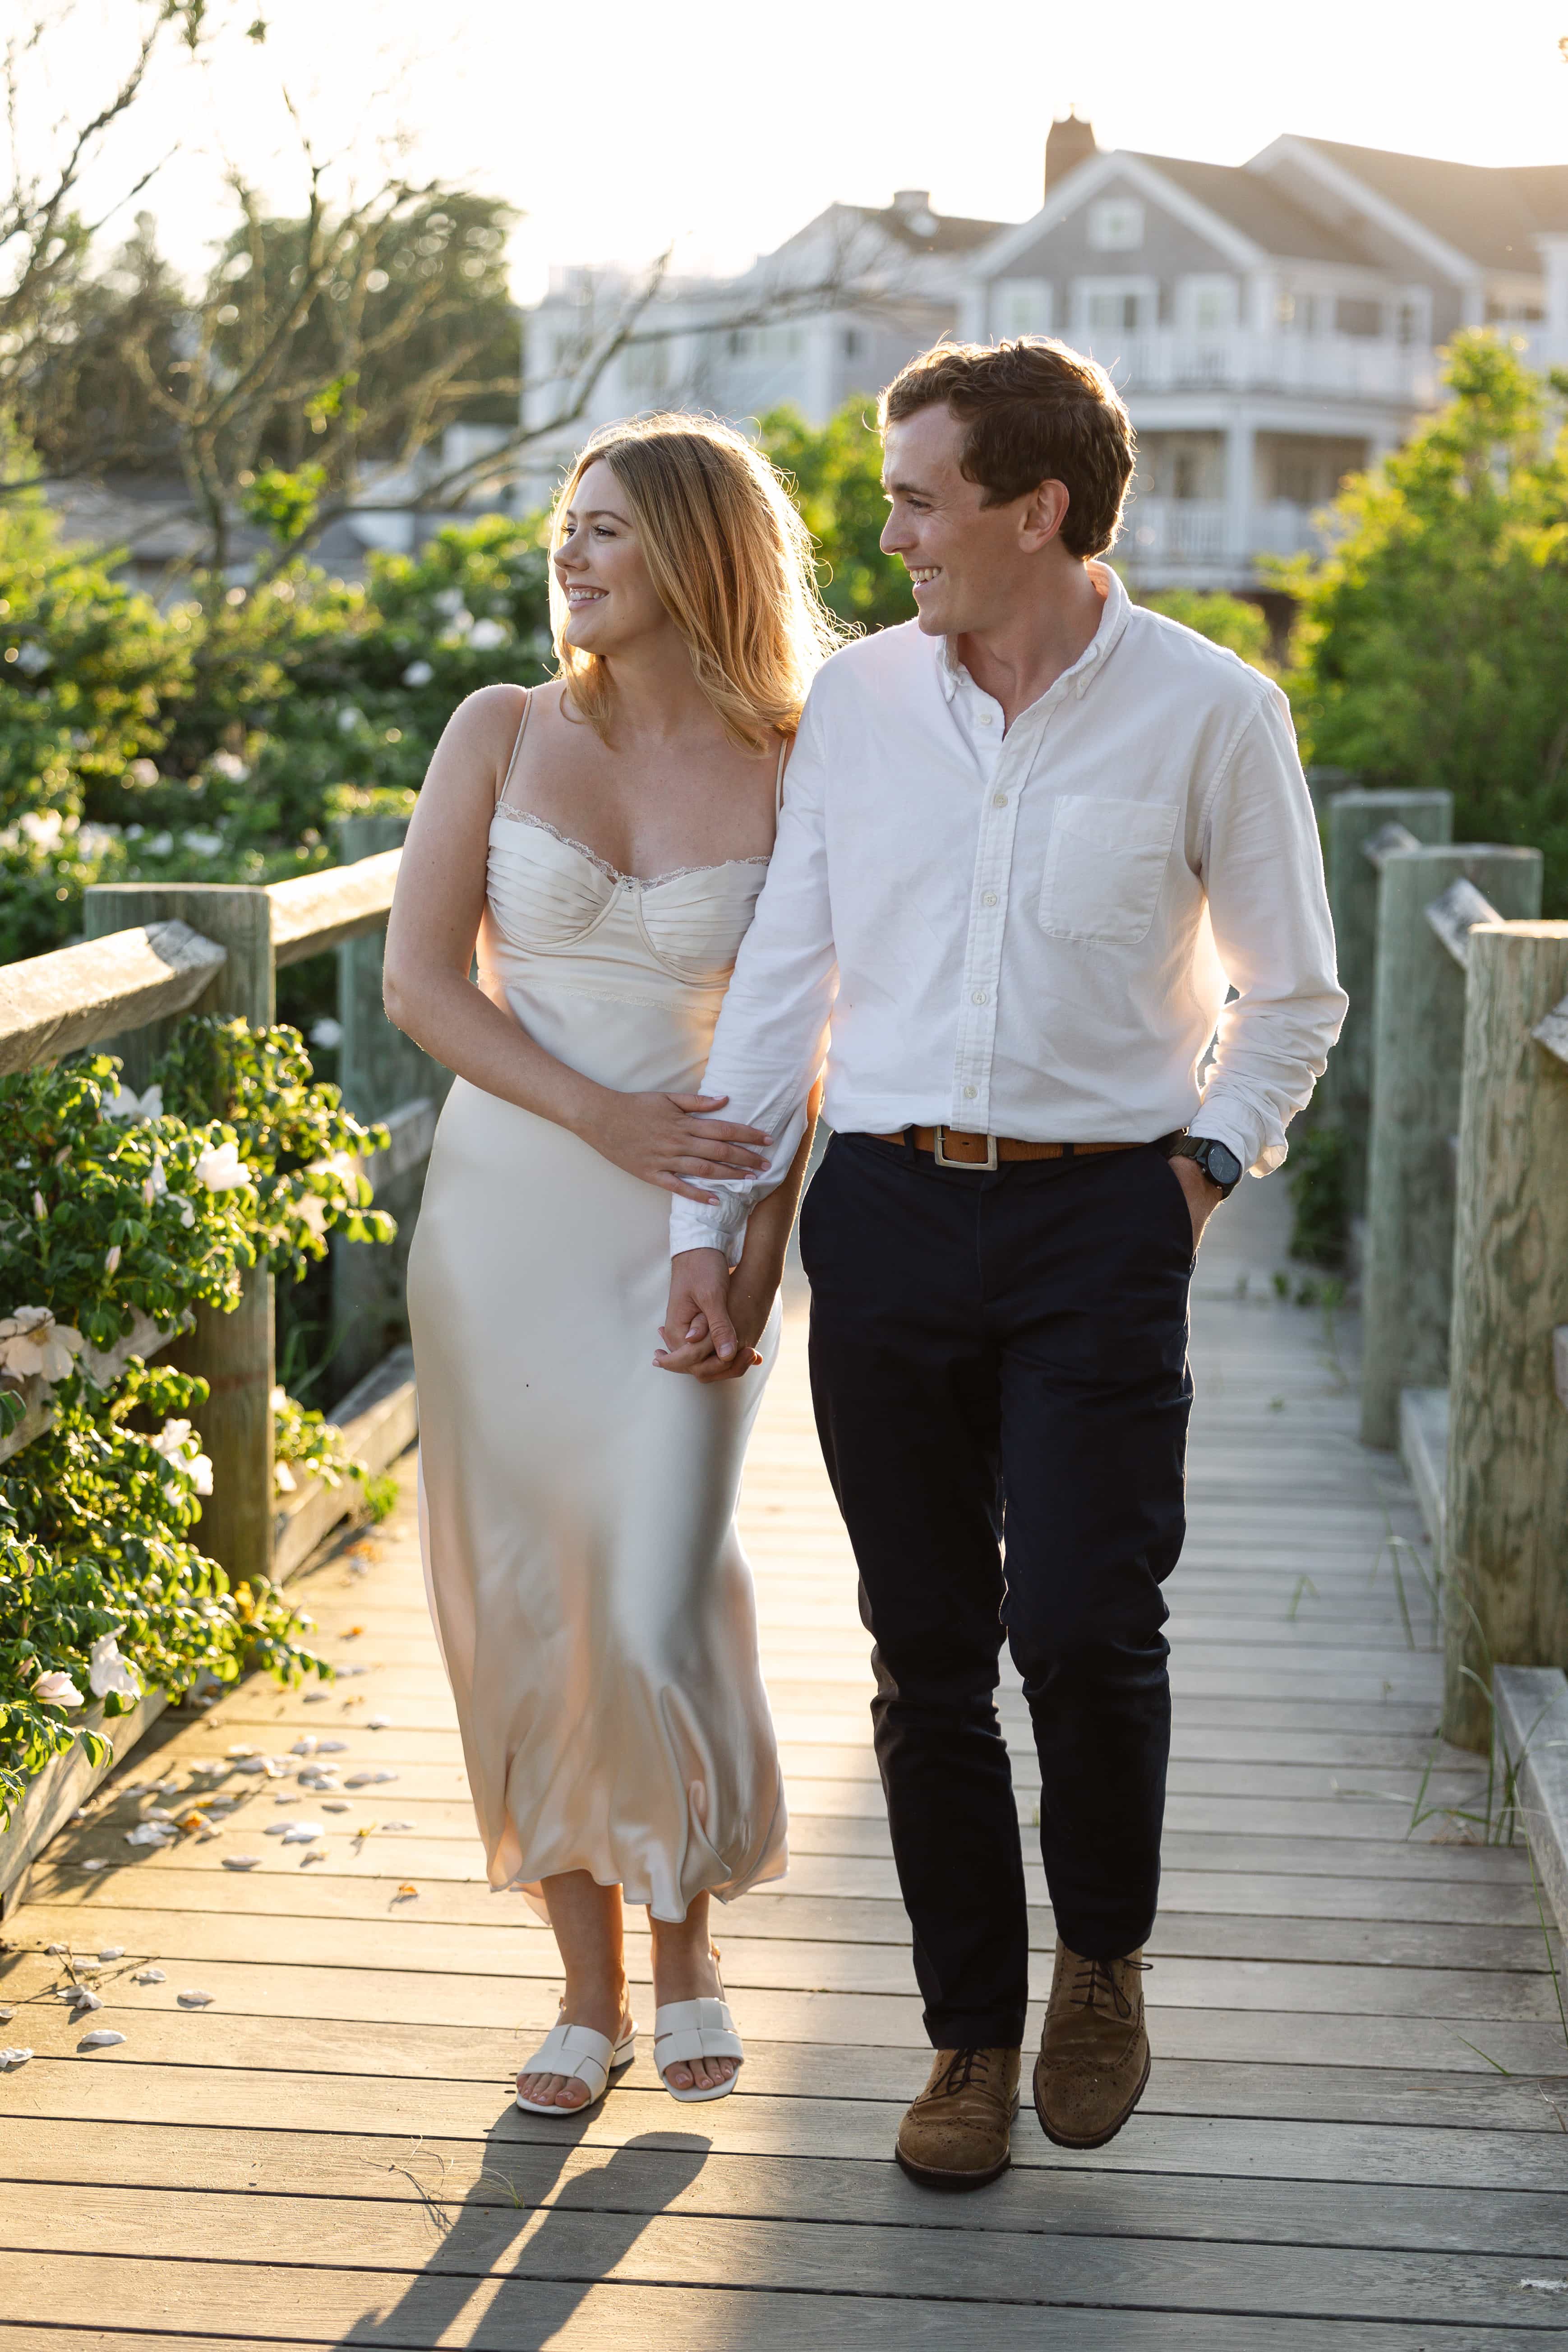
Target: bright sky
(617,131)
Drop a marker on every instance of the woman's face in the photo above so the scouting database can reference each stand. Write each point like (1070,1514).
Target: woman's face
(600,566)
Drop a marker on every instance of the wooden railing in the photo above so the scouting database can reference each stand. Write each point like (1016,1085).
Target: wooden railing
(156,950)
(1455,1105)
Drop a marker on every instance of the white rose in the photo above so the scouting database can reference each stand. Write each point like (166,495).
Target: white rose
(57,1690)
(221,1168)
(126,1103)
(33,1346)
(108,1672)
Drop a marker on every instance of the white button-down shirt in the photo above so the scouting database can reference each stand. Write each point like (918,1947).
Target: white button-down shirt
(1032,930)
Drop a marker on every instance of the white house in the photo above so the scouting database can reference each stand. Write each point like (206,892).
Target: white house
(1275,325)
(834,312)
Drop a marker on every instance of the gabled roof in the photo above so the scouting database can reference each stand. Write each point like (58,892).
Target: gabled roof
(1262,211)
(1492,213)
(949,232)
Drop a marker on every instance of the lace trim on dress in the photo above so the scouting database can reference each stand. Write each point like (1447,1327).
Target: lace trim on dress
(613,873)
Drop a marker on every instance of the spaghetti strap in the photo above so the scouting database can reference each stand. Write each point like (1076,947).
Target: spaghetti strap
(778,780)
(517,745)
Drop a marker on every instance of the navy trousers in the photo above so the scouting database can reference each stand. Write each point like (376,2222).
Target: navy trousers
(1003,1356)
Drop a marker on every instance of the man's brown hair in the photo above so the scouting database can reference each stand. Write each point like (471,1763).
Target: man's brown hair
(1033,412)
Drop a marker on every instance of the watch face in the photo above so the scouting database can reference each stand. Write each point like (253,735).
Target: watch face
(1223,1164)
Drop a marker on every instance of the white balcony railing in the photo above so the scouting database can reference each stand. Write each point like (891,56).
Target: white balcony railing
(1200,535)
(1171,359)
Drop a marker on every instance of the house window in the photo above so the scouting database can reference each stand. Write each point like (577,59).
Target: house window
(1116,224)
(1182,466)
(1305,469)
(849,342)
(1409,324)
(1111,307)
(1358,314)
(1021,306)
(1209,304)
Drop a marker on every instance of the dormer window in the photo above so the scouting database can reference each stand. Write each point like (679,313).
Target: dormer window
(1116,224)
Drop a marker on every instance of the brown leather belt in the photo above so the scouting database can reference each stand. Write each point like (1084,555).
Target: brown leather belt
(954,1149)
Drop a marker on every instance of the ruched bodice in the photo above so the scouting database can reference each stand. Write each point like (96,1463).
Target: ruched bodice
(593,1602)
(562,926)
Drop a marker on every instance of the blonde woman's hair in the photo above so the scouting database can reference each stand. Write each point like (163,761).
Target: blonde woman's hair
(731,561)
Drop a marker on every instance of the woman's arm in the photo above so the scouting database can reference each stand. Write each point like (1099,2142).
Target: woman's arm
(664,1140)
(754,1283)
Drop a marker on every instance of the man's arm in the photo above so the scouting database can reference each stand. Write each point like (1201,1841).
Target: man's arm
(769,1038)
(1263,870)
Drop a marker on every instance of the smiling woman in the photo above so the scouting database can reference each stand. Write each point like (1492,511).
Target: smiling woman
(698,521)
(600,843)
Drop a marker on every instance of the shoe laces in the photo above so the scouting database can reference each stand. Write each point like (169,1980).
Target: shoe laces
(1097,1976)
(962,2069)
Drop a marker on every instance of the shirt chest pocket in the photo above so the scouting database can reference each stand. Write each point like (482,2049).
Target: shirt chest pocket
(1105,861)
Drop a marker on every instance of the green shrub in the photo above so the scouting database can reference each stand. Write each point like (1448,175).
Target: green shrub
(1431,643)
(1316,1173)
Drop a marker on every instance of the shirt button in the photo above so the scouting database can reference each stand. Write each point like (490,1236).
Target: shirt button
(988,899)
(998,799)
(969,1093)
(980,996)
(986,718)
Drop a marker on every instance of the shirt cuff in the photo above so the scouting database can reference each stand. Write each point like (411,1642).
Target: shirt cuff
(1213,1126)
(693,1224)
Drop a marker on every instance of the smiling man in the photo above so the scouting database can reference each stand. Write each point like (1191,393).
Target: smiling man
(1029,842)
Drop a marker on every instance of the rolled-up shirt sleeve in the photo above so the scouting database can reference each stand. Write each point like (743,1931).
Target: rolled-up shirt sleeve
(1263,870)
(769,1043)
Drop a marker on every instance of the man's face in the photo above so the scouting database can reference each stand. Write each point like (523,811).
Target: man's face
(965,559)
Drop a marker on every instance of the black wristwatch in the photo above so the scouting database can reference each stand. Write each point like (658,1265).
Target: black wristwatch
(1217,1161)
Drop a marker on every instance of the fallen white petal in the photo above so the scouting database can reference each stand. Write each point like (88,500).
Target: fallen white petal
(352,1670)
(1547,2286)
(194,1999)
(149,1976)
(403,1826)
(305,1747)
(342,1806)
(6,2015)
(9,2058)
(241,1861)
(53,1952)
(239,1748)
(103,2038)
(152,1833)
(378,1722)
(101,1863)
(334,1747)
(79,1997)
(111,1951)
(301,1832)
(316,1698)
(317,1854)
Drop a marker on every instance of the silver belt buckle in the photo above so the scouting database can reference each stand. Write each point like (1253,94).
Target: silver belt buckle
(990,1160)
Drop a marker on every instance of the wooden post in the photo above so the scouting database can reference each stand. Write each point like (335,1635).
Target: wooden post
(1417,1061)
(1353,817)
(379,1069)
(1506,1590)
(233,1353)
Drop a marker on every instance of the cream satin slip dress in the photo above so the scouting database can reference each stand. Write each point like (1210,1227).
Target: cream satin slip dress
(594,1607)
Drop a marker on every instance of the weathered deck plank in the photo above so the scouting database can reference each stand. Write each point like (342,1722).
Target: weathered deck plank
(1327,2156)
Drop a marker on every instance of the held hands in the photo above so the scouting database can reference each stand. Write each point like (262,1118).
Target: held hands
(671,1140)
(714,1318)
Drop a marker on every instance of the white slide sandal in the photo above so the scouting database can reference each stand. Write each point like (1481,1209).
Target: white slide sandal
(577,2050)
(684,2030)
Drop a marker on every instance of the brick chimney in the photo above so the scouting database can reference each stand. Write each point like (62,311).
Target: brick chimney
(1069,143)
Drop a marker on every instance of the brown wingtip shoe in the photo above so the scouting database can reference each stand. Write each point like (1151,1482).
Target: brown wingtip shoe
(958,2134)
(1094,2052)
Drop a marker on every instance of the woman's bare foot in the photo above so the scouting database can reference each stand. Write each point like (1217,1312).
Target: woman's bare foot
(686,1968)
(587,1921)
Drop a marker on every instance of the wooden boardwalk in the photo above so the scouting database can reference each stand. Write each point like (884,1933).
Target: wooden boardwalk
(1356,2134)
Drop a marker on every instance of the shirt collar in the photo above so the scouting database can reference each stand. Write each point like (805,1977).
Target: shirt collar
(1114,609)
